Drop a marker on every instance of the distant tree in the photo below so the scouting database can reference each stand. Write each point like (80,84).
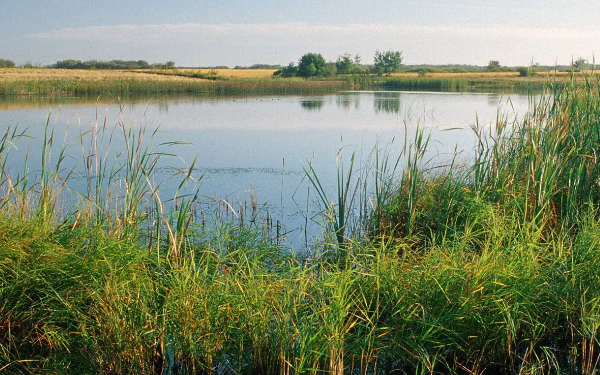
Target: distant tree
(312,64)
(4,63)
(493,66)
(529,71)
(329,70)
(259,66)
(579,64)
(69,64)
(113,64)
(30,65)
(345,64)
(143,64)
(167,65)
(289,71)
(358,67)
(387,61)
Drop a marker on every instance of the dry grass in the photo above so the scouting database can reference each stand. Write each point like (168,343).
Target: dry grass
(19,74)
(237,73)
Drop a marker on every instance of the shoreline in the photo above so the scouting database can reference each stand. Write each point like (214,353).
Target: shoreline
(71,83)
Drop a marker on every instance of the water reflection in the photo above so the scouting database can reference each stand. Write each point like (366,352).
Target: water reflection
(312,105)
(257,146)
(348,101)
(387,102)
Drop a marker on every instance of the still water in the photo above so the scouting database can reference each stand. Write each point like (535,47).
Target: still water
(259,147)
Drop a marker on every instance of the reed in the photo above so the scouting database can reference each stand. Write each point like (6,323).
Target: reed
(199,86)
(450,83)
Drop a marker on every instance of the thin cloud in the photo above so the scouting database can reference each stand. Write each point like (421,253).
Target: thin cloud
(201,44)
(198,33)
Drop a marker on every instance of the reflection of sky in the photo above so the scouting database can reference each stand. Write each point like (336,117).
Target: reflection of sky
(260,144)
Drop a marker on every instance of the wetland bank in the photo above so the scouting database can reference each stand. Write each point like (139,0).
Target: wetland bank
(487,264)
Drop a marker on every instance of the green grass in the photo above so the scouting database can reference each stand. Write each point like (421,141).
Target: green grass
(443,84)
(487,267)
(122,87)
(231,86)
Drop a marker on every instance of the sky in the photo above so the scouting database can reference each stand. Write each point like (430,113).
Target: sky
(235,32)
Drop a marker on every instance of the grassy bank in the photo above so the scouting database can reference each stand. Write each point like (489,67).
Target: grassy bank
(449,83)
(489,267)
(147,87)
(58,82)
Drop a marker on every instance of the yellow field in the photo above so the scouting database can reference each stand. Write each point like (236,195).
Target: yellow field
(236,73)
(21,74)
(15,74)
(18,74)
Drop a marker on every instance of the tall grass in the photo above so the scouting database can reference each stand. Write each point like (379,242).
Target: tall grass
(122,87)
(483,268)
(452,84)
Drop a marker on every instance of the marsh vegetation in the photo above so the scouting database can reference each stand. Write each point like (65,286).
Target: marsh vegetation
(488,266)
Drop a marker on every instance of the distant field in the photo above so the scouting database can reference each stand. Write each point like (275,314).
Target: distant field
(73,82)
(236,73)
(18,74)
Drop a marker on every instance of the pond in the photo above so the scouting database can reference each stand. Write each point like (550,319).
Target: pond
(257,148)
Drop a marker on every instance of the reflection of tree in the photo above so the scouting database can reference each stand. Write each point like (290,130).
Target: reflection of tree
(312,105)
(494,100)
(387,102)
(163,106)
(347,101)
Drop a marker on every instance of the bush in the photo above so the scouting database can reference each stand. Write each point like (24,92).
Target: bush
(289,71)
(6,63)
(528,71)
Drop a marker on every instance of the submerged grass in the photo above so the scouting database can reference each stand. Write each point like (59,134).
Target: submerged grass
(489,267)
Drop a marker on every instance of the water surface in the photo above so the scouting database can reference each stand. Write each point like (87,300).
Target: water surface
(259,146)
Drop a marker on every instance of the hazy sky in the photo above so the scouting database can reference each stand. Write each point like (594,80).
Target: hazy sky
(234,32)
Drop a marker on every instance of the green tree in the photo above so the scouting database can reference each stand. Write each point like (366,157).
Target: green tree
(388,61)
(579,64)
(493,66)
(329,70)
(311,64)
(69,64)
(4,63)
(345,64)
(289,71)
(529,71)
(143,64)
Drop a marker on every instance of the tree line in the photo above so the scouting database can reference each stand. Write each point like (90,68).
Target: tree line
(4,63)
(96,64)
(112,64)
(314,65)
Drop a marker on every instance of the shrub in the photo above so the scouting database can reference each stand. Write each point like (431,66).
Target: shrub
(4,63)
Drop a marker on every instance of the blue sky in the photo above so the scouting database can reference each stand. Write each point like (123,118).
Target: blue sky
(205,33)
